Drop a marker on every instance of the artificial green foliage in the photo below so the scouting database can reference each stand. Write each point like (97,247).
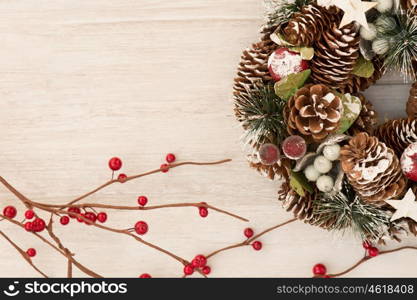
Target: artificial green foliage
(280,11)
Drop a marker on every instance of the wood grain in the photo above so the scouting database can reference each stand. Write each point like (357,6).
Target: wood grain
(81,81)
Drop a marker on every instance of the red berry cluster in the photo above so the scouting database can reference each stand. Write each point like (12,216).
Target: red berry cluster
(199,262)
(170,158)
(256,245)
(372,251)
(75,213)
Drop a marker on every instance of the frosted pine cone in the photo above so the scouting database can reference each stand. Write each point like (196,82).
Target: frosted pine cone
(301,207)
(314,112)
(372,169)
(367,120)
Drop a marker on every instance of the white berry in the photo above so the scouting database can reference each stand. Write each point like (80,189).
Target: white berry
(332,152)
(369,33)
(384,5)
(311,173)
(322,164)
(380,46)
(325,183)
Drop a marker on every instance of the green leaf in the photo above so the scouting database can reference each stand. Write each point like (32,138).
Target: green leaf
(287,86)
(299,183)
(279,39)
(352,107)
(306,53)
(363,68)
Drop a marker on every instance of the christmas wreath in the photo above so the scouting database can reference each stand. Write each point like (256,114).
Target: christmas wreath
(297,94)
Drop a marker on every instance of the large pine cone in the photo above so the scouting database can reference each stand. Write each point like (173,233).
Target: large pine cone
(367,120)
(372,169)
(314,112)
(356,84)
(301,207)
(278,170)
(412,102)
(307,25)
(253,67)
(336,54)
(398,134)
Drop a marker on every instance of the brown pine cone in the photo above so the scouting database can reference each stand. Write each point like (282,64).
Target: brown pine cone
(278,170)
(398,134)
(253,67)
(301,207)
(412,102)
(336,54)
(367,120)
(372,169)
(409,5)
(355,83)
(314,112)
(307,25)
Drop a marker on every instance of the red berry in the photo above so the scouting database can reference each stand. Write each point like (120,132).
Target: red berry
(145,275)
(141,227)
(74,210)
(164,168)
(257,245)
(102,217)
(269,154)
(90,216)
(366,245)
(115,163)
(80,218)
(373,252)
(319,269)
(206,270)
(170,158)
(142,200)
(64,220)
(188,269)
(248,232)
(29,214)
(203,212)
(122,178)
(38,225)
(199,261)
(10,212)
(294,147)
(31,252)
(29,226)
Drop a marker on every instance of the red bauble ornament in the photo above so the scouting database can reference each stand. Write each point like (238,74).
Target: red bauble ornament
(29,214)
(38,225)
(64,220)
(188,269)
(145,275)
(141,227)
(206,270)
(142,200)
(409,162)
(90,216)
(31,252)
(74,210)
(284,62)
(269,154)
(29,226)
(319,269)
(115,163)
(10,211)
(257,245)
(122,178)
(248,232)
(164,168)
(199,261)
(102,217)
(294,147)
(203,211)
(373,252)
(170,158)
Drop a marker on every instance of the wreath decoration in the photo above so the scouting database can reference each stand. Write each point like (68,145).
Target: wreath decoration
(298,96)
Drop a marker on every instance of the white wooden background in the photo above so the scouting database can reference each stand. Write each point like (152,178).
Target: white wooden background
(81,81)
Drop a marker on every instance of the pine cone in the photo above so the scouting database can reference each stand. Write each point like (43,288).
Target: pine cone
(278,170)
(355,83)
(301,207)
(412,102)
(314,112)
(336,54)
(409,5)
(367,119)
(398,134)
(307,25)
(372,169)
(253,67)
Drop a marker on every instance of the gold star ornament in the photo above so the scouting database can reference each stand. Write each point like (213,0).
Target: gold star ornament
(405,208)
(354,10)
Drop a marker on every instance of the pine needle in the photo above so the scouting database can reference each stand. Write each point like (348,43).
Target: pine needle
(280,11)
